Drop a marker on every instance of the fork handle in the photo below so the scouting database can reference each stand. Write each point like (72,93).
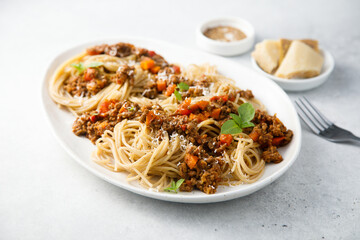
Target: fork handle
(354,138)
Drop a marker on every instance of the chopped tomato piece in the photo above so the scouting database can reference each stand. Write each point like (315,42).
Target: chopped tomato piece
(104,106)
(89,74)
(215,114)
(223,97)
(232,97)
(155,69)
(93,118)
(150,117)
(147,63)
(176,69)
(202,104)
(170,90)
(184,107)
(151,53)
(92,51)
(184,111)
(191,160)
(277,140)
(254,135)
(226,139)
(183,127)
(161,85)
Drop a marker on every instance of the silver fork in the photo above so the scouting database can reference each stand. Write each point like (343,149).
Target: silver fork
(320,125)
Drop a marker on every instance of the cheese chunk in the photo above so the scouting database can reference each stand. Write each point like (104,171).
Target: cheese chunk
(267,54)
(301,61)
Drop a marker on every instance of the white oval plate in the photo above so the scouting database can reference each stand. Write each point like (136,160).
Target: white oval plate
(274,98)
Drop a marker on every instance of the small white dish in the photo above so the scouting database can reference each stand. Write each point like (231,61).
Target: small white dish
(226,48)
(304,83)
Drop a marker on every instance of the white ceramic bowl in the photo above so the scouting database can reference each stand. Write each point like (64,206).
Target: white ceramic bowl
(226,48)
(304,83)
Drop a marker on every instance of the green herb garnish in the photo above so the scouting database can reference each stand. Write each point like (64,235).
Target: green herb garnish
(131,109)
(178,95)
(94,113)
(238,122)
(81,67)
(183,86)
(174,186)
(95,64)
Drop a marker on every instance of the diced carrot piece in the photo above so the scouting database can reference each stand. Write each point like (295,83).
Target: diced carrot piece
(161,85)
(102,126)
(193,107)
(170,90)
(202,104)
(104,106)
(254,135)
(191,160)
(192,116)
(122,109)
(215,114)
(277,140)
(201,117)
(155,69)
(226,139)
(147,63)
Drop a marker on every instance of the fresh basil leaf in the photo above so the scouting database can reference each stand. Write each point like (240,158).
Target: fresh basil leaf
(230,127)
(79,66)
(178,183)
(236,118)
(247,124)
(246,112)
(177,95)
(183,86)
(172,184)
(95,64)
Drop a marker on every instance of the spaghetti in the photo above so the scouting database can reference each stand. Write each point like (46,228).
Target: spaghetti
(160,123)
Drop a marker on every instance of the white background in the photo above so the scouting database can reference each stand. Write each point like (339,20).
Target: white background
(44,194)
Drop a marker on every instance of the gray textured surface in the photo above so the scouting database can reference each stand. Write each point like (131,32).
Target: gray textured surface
(44,194)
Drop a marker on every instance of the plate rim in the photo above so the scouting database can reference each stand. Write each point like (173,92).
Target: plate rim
(186,198)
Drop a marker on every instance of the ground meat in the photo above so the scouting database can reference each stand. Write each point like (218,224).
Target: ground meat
(124,73)
(93,124)
(86,85)
(246,94)
(271,134)
(205,175)
(271,154)
(126,49)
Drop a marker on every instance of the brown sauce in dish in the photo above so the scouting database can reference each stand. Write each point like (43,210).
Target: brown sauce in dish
(224,34)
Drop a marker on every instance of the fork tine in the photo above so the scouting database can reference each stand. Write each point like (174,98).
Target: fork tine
(314,114)
(318,112)
(306,120)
